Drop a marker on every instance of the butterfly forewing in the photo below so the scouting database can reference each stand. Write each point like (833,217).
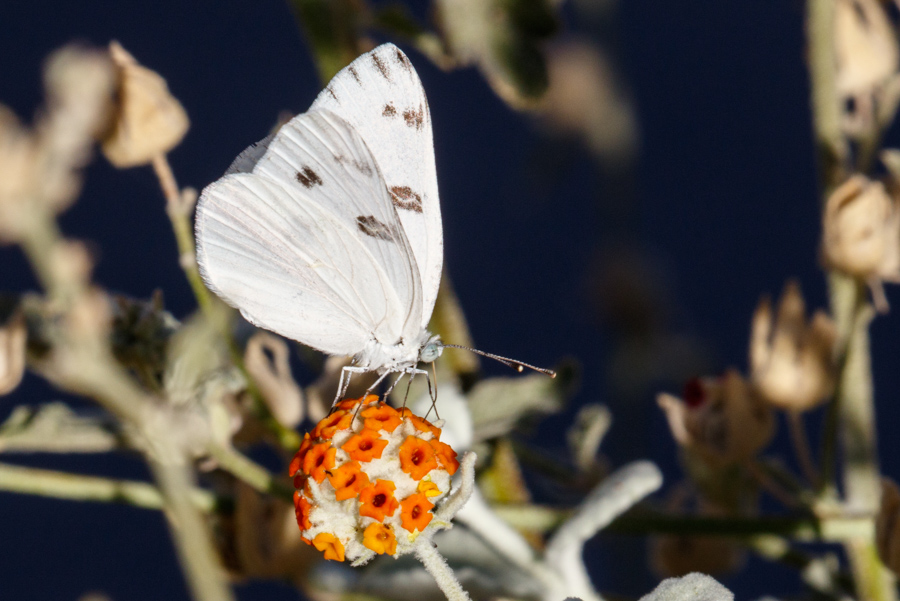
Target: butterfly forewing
(308,245)
(381,97)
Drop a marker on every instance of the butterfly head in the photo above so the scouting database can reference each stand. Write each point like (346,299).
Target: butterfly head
(431,350)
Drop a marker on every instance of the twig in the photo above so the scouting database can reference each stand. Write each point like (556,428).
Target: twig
(205,574)
(801,446)
(82,362)
(800,529)
(247,470)
(770,485)
(853,400)
(826,105)
(77,487)
(179,208)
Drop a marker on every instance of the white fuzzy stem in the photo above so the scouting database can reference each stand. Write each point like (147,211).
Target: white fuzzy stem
(437,566)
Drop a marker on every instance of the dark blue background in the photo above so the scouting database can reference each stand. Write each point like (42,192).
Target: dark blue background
(722,206)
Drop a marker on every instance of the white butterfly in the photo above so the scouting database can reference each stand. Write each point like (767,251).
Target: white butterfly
(329,231)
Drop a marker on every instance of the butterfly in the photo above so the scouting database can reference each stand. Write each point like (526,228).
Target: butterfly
(328,232)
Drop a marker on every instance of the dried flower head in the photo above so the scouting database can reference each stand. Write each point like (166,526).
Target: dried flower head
(148,121)
(40,167)
(861,231)
(373,480)
(865,45)
(790,358)
(719,418)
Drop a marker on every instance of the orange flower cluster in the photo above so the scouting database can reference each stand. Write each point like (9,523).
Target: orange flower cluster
(368,477)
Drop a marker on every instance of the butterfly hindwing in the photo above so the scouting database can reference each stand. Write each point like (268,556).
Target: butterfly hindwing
(307,244)
(381,97)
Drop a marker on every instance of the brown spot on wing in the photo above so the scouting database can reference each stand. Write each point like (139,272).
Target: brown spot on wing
(381,66)
(353,72)
(308,177)
(403,197)
(330,91)
(370,226)
(389,111)
(360,166)
(414,118)
(403,60)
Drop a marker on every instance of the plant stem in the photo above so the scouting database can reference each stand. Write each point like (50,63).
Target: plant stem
(437,566)
(77,487)
(800,529)
(853,403)
(193,540)
(82,362)
(180,209)
(800,442)
(826,105)
(247,470)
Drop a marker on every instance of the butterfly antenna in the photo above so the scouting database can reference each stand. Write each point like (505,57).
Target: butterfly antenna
(516,365)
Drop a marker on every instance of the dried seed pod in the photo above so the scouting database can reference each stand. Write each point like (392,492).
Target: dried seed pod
(861,231)
(148,121)
(721,419)
(865,45)
(790,358)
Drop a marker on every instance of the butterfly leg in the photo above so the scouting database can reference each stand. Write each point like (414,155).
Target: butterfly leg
(344,381)
(391,387)
(377,382)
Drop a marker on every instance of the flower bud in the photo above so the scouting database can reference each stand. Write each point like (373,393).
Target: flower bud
(149,121)
(721,419)
(369,479)
(861,230)
(790,358)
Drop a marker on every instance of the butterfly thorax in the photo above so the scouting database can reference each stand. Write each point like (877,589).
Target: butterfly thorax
(405,353)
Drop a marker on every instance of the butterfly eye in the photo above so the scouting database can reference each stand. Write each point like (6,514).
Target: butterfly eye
(431,351)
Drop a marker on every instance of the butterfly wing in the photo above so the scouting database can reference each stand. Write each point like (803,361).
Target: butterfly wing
(381,96)
(308,244)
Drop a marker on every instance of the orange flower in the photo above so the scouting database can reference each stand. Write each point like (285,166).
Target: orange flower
(297,461)
(302,509)
(377,501)
(380,538)
(381,417)
(415,512)
(328,426)
(348,404)
(428,488)
(416,457)
(420,424)
(318,460)
(330,546)
(348,480)
(446,455)
(365,446)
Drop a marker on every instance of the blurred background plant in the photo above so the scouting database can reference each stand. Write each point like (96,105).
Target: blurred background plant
(213,408)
